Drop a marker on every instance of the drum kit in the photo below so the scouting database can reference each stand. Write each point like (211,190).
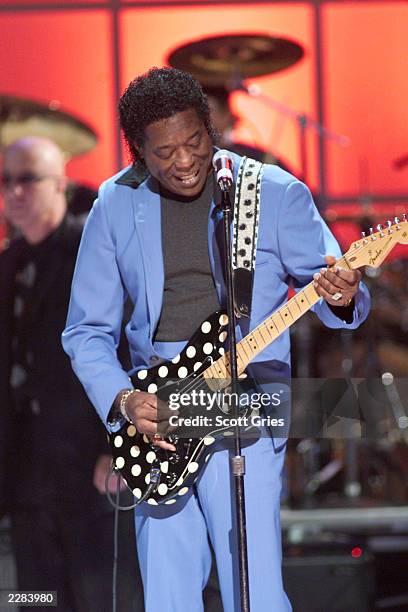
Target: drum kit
(227,61)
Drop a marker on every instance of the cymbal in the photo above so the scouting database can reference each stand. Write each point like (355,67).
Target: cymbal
(20,117)
(219,59)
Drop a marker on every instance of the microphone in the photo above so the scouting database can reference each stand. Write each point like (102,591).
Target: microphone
(223,167)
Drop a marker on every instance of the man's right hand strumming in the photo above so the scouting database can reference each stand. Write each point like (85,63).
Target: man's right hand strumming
(140,408)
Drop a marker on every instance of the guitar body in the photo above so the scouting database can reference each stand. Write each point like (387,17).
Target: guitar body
(135,456)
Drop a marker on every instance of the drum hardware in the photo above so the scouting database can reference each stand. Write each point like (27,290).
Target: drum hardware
(304,123)
(308,449)
(323,475)
(20,117)
(400,415)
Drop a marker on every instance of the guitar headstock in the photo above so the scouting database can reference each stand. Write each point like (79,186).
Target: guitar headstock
(372,249)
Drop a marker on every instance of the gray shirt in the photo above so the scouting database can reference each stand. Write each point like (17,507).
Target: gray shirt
(189,291)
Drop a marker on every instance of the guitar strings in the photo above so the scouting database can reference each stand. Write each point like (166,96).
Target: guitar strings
(199,383)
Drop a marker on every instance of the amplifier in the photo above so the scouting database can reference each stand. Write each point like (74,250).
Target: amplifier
(322,582)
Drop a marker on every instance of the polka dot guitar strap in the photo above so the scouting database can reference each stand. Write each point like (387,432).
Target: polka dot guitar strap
(245,232)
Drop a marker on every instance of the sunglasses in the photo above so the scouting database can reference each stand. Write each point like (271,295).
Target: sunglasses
(25,180)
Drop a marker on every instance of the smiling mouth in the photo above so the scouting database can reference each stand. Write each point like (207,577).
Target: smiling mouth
(189,180)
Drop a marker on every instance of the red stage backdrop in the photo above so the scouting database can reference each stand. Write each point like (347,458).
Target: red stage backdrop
(68,55)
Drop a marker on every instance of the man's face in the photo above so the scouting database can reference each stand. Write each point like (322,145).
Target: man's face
(31,180)
(178,152)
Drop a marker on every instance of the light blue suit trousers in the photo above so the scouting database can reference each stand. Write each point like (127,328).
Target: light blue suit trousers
(173,548)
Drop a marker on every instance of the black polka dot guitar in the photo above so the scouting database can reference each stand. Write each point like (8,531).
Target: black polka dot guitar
(159,476)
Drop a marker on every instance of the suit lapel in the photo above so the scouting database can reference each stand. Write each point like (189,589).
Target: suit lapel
(146,206)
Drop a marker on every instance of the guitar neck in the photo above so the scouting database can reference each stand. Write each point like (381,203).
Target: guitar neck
(370,251)
(270,329)
(265,333)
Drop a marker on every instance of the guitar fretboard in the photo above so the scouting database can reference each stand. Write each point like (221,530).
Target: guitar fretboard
(218,375)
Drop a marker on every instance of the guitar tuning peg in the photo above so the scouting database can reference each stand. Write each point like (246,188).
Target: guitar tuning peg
(372,233)
(404,217)
(396,220)
(389,223)
(380,229)
(363,235)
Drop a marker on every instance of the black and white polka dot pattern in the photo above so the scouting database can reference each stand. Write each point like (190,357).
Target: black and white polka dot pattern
(246,214)
(205,347)
(135,455)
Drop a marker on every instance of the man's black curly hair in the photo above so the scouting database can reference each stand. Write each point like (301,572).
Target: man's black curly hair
(159,94)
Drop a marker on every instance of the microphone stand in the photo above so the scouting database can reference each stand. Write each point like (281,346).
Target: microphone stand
(238,460)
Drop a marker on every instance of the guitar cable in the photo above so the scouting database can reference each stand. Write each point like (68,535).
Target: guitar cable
(154,481)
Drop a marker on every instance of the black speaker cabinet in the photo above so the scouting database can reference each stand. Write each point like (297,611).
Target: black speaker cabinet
(329,582)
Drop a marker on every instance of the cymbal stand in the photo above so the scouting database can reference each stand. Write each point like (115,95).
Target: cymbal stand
(304,122)
(352,485)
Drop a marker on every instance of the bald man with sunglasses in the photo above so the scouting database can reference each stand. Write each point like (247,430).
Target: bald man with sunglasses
(54,454)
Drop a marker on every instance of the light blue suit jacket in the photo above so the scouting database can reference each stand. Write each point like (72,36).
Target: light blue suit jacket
(121,255)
